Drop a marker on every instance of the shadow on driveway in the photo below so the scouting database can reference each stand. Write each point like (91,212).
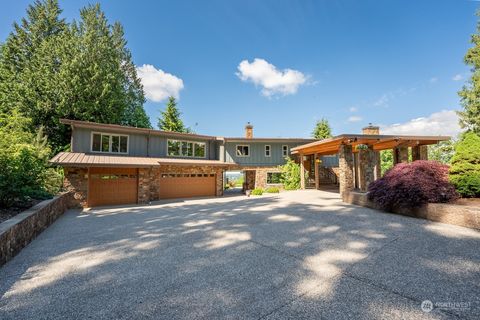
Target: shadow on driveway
(301,254)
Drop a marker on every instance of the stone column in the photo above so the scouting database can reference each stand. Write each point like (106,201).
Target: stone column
(415,153)
(378,165)
(400,154)
(302,172)
(317,176)
(423,152)
(345,167)
(366,167)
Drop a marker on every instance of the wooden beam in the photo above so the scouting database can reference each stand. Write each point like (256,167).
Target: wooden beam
(317,181)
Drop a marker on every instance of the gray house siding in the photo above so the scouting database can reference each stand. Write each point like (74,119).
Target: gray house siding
(257,153)
(140,145)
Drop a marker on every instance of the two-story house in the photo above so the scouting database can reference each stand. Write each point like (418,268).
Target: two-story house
(113,164)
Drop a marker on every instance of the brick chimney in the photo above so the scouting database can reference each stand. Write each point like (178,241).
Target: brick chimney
(248,131)
(371,130)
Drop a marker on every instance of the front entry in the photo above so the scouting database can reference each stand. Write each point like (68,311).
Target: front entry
(186,185)
(112,186)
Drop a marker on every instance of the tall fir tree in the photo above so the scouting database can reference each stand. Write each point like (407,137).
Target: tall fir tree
(470,93)
(322,130)
(170,118)
(83,70)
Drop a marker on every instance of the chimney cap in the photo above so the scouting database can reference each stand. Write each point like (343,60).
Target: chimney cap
(370,126)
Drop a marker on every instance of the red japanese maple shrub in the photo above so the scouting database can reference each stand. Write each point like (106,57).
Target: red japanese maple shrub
(411,185)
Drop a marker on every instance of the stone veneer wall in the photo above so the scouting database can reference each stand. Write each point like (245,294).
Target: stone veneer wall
(257,176)
(460,215)
(17,232)
(76,181)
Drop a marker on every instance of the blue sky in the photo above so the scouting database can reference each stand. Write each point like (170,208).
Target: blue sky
(352,62)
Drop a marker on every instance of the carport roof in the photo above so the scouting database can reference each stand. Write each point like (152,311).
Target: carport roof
(77,159)
(379,142)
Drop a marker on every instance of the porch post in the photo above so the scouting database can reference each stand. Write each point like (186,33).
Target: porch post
(317,181)
(400,154)
(345,163)
(415,153)
(302,172)
(423,152)
(366,167)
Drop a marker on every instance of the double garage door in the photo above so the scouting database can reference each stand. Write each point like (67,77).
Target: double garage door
(115,186)
(186,185)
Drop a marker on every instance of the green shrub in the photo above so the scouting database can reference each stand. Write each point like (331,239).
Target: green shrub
(23,159)
(465,166)
(53,180)
(291,175)
(257,192)
(272,190)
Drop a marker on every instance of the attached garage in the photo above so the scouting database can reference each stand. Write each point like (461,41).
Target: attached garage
(112,186)
(187,185)
(101,180)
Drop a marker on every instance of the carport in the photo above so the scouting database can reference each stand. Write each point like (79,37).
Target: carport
(359,158)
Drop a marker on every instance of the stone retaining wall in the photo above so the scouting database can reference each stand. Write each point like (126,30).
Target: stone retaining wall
(17,232)
(460,215)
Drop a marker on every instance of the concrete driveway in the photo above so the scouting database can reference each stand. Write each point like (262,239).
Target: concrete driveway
(301,254)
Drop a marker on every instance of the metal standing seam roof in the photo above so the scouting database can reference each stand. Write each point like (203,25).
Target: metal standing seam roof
(77,159)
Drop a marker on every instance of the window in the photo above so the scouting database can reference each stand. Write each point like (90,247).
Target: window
(274,177)
(243,151)
(199,150)
(112,143)
(190,149)
(187,149)
(285,151)
(267,151)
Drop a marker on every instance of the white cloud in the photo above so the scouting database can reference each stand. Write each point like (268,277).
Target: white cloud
(157,84)
(354,119)
(457,77)
(433,80)
(272,80)
(444,122)
(383,100)
(353,109)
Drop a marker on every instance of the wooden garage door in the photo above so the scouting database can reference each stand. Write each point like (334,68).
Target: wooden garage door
(187,185)
(111,186)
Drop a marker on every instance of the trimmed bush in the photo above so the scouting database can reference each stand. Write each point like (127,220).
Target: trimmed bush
(465,169)
(272,190)
(257,192)
(411,185)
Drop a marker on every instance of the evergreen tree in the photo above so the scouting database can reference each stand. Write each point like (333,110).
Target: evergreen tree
(470,94)
(170,118)
(83,70)
(465,165)
(322,130)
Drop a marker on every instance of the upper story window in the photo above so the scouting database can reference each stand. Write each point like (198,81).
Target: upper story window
(285,150)
(243,150)
(109,143)
(178,148)
(268,150)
